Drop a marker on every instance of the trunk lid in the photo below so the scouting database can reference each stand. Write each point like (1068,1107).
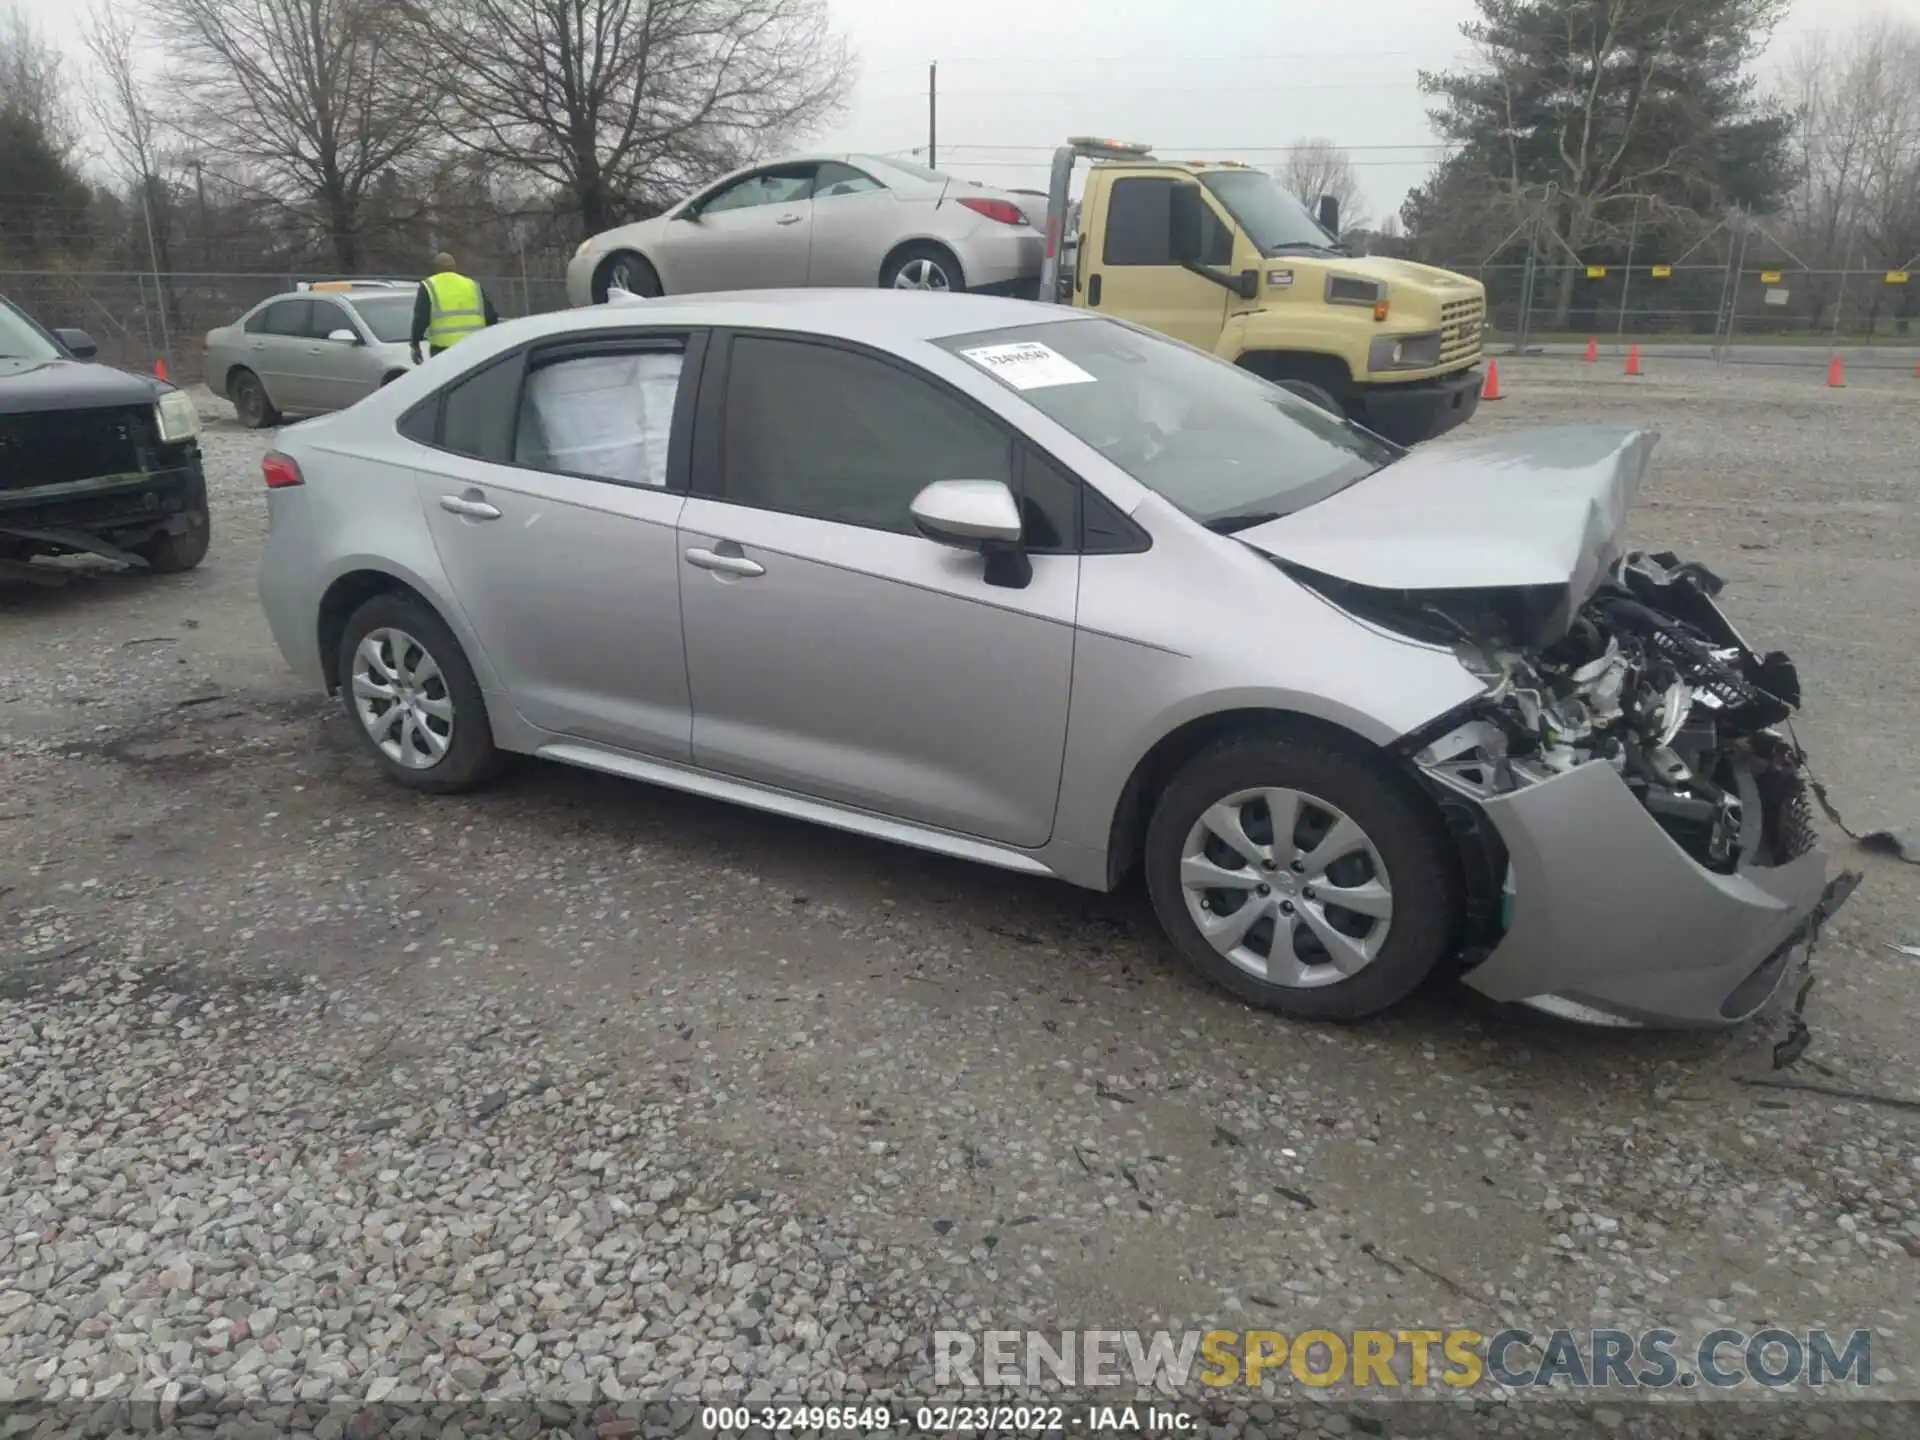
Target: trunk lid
(1534,508)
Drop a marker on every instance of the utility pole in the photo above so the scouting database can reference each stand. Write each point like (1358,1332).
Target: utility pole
(933,115)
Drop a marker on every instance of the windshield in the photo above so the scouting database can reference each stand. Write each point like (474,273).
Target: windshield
(1220,443)
(20,338)
(1272,218)
(390,317)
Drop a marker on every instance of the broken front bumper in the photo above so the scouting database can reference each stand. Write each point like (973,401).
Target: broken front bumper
(105,514)
(1613,923)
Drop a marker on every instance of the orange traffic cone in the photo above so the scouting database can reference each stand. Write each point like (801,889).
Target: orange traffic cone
(1836,373)
(1492,389)
(160,368)
(1633,360)
(1593,350)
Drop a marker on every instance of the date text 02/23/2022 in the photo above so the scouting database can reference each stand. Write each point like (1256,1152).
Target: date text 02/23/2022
(946,1419)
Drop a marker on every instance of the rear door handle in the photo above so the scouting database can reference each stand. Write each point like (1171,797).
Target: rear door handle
(472,509)
(788,220)
(725,564)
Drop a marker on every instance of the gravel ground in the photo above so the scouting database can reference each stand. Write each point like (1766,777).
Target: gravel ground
(586,1093)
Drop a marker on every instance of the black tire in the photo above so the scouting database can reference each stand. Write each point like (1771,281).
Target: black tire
(471,758)
(640,277)
(1401,826)
(1314,395)
(391,376)
(940,263)
(174,553)
(250,400)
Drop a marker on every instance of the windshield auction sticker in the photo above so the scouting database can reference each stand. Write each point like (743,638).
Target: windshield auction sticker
(1028,365)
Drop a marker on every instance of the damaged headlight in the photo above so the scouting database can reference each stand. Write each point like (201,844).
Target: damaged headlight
(176,417)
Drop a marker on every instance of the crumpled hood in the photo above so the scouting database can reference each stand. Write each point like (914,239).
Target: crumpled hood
(1530,508)
(28,386)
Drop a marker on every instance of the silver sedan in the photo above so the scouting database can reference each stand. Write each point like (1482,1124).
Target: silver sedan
(1047,591)
(312,351)
(842,220)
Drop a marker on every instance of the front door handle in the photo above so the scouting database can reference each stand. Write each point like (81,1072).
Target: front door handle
(788,220)
(472,509)
(725,564)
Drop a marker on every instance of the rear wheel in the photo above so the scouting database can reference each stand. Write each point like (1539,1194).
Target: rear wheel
(413,697)
(624,270)
(1302,876)
(922,267)
(250,400)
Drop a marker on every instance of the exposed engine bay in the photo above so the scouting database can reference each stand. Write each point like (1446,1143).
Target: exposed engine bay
(1648,677)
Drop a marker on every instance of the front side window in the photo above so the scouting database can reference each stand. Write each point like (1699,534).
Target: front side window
(327,317)
(1274,220)
(1220,443)
(1139,225)
(769,187)
(820,431)
(389,317)
(608,416)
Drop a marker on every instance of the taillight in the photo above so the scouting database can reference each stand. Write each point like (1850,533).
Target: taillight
(1005,211)
(281,471)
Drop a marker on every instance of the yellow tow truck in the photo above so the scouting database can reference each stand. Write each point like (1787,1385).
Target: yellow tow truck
(1219,255)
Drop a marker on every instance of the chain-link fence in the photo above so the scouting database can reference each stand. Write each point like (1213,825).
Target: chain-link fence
(1706,304)
(137,319)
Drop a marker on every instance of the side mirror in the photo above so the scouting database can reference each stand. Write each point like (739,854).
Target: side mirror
(1185,213)
(967,514)
(78,343)
(343,337)
(1330,215)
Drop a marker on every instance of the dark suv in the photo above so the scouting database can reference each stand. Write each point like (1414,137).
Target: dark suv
(93,459)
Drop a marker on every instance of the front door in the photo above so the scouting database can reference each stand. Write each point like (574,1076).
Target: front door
(752,234)
(1125,265)
(554,519)
(333,372)
(832,650)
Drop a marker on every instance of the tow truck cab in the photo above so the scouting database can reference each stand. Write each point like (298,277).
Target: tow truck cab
(1219,255)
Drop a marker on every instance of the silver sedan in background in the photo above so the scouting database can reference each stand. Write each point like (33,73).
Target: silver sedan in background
(1044,590)
(318,349)
(842,220)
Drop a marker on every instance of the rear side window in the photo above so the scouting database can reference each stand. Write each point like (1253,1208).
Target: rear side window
(1139,213)
(283,317)
(837,179)
(820,431)
(608,416)
(477,414)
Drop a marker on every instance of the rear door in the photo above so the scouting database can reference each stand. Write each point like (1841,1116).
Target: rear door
(552,501)
(753,233)
(276,343)
(856,221)
(1125,266)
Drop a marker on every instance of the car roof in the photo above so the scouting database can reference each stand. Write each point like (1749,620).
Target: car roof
(880,317)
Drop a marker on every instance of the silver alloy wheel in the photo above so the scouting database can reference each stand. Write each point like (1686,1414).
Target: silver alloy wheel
(401,697)
(921,275)
(1286,887)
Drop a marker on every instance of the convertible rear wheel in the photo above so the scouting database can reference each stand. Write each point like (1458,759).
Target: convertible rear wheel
(923,267)
(413,697)
(1302,876)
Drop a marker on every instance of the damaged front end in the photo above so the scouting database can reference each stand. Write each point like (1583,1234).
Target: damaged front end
(1627,778)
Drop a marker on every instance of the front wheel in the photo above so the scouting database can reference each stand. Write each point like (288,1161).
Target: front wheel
(180,550)
(1303,876)
(624,270)
(413,697)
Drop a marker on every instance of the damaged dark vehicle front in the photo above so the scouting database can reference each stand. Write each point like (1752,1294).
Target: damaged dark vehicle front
(93,460)
(1630,802)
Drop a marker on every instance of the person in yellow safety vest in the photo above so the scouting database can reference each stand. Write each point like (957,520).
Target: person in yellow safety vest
(448,307)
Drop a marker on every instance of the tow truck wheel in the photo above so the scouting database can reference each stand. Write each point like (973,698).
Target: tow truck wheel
(1314,395)
(250,400)
(181,550)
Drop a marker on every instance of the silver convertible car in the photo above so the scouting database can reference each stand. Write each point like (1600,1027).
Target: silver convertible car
(1048,591)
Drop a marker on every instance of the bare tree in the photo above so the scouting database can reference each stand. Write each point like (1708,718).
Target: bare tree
(621,103)
(30,83)
(122,115)
(43,203)
(315,100)
(1315,167)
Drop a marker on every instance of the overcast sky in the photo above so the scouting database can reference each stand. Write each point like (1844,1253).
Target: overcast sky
(1195,78)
